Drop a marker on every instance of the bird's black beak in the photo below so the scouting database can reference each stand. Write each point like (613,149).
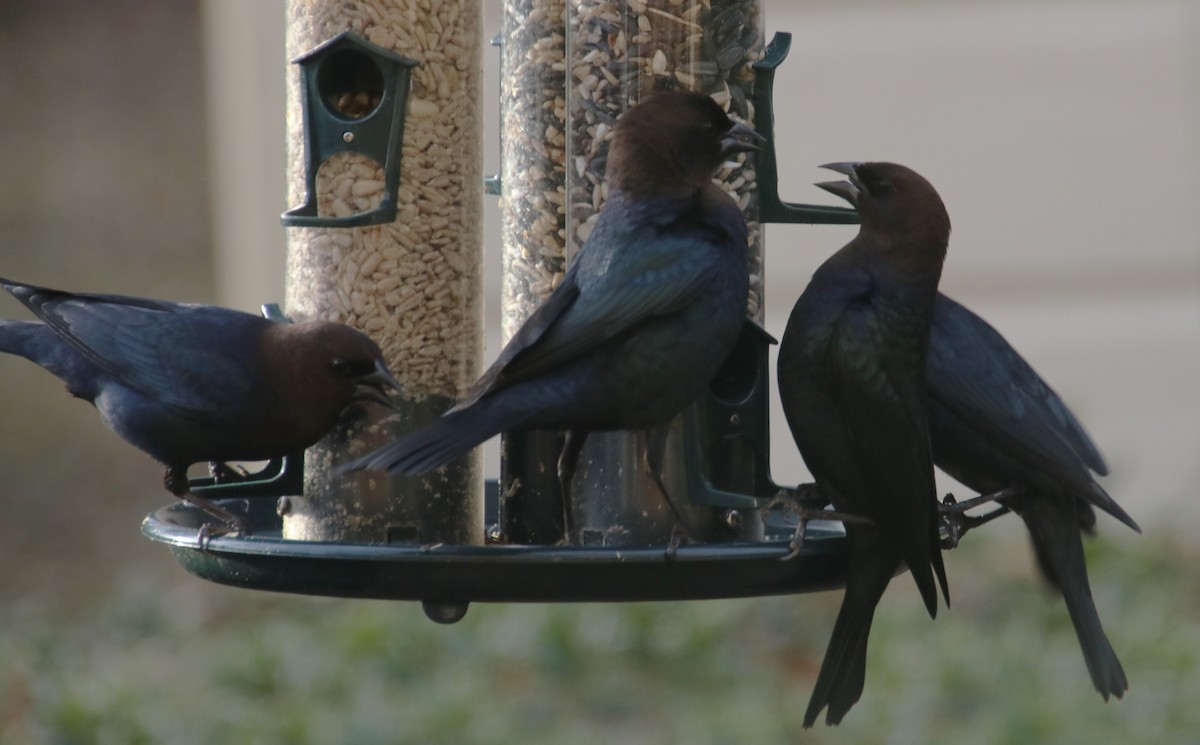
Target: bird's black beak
(740,139)
(375,386)
(848,190)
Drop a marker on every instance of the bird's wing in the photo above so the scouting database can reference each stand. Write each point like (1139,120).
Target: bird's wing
(185,357)
(975,371)
(881,409)
(527,336)
(877,384)
(605,294)
(982,380)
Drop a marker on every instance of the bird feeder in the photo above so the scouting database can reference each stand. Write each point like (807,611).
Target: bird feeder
(568,71)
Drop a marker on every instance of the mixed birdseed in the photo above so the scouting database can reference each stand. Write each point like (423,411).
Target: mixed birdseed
(533,106)
(586,62)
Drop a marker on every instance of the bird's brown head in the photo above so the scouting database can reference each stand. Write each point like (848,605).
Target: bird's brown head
(319,368)
(672,142)
(896,205)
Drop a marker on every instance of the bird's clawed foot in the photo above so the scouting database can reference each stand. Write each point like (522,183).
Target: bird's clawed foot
(954,522)
(807,503)
(175,479)
(233,526)
(223,472)
(229,522)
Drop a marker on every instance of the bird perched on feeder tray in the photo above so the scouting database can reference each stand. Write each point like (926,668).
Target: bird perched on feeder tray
(645,315)
(193,383)
(851,373)
(995,425)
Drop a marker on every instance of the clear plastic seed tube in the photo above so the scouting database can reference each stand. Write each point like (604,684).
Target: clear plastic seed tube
(413,285)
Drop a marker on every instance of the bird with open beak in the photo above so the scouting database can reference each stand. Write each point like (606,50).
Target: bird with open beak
(851,371)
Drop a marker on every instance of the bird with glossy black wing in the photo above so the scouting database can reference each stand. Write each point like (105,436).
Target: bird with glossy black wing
(646,313)
(851,373)
(193,383)
(995,424)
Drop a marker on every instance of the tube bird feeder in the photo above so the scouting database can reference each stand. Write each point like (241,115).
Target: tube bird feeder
(569,69)
(412,282)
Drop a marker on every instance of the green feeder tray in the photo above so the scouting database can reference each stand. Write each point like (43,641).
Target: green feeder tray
(449,577)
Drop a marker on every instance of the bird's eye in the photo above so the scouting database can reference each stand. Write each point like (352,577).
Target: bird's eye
(874,184)
(344,368)
(883,186)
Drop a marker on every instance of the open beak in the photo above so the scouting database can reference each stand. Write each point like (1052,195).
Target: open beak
(848,190)
(375,387)
(740,139)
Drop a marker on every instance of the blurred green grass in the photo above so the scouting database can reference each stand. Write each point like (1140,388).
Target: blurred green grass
(187,662)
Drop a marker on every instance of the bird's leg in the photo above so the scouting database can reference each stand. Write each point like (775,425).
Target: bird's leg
(954,522)
(655,449)
(568,459)
(223,472)
(176,482)
(808,503)
(950,505)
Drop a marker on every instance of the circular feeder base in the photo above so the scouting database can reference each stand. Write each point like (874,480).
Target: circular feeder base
(447,578)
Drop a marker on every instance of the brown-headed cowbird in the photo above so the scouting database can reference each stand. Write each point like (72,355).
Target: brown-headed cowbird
(646,313)
(995,424)
(194,383)
(852,382)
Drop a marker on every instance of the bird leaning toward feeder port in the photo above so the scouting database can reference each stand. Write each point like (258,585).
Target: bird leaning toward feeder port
(193,383)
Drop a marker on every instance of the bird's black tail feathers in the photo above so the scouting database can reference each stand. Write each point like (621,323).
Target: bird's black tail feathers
(36,342)
(1101,499)
(923,553)
(15,336)
(939,566)
(1058,546)
(440,441)
(844,669)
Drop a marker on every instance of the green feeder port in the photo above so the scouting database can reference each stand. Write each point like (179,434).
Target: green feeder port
(355,99)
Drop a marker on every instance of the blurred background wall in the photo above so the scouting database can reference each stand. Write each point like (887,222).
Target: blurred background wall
(104,185)
(142,151)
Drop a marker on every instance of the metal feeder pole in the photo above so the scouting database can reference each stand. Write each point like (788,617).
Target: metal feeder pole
(412,284)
